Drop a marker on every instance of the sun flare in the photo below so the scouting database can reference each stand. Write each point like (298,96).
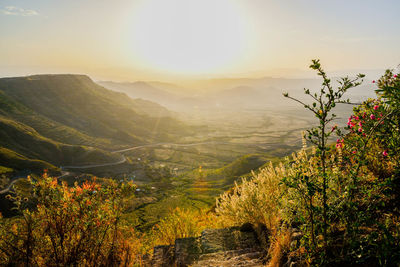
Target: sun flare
(188,36)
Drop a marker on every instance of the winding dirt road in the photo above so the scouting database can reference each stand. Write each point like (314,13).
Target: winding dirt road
(122,160)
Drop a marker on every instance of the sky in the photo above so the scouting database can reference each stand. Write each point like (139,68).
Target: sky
(128,40)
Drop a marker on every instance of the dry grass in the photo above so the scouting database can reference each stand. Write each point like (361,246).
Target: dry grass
(255,200)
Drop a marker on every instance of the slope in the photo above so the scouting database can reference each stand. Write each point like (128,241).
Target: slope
(69,120)
(75,101)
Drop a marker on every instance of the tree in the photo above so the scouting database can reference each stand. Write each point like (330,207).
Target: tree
(322,105)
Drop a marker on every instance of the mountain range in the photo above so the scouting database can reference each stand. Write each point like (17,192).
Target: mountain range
(53,120)
(240,93)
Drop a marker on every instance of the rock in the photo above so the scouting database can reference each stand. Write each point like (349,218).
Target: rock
(263,234)
(235,246)
(247,227)
(163,256)
(187,250)
(243,257)
(214,240)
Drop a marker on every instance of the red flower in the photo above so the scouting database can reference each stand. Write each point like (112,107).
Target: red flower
(385,153)
(372,117)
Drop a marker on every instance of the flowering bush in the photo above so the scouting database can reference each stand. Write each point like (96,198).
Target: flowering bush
(69,226)
(345,198)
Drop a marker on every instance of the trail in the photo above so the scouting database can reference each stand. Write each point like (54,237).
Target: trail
(169,144)
(8,188)
(5,190)
(122,160)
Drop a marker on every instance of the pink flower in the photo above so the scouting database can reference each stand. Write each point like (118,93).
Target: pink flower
(373,81)
(360,129)
(339,143)
(357,118)
(360,124)
(376,107)
(354,152)
(384,153)
(395,76)
(372,117)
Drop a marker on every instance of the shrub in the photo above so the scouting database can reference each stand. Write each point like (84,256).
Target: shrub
(78,226)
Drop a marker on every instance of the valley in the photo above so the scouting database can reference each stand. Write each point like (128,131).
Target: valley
(179,156)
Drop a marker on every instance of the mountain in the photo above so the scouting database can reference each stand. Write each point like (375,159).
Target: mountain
(70,120)
(143,90)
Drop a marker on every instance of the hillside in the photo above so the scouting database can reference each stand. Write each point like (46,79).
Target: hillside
(70,120)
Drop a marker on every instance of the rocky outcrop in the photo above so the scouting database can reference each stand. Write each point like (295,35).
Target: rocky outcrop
(214,247)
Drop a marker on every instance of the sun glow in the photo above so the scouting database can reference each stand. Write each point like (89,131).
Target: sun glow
(188,36)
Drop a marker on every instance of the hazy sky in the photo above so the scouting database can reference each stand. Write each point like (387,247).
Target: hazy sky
(166,39)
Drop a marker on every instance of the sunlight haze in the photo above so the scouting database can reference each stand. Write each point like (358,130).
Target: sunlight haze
(174,39)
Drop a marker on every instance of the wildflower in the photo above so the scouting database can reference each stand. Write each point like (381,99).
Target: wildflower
(339,143)
(385,153)
(376,107)
(372,117)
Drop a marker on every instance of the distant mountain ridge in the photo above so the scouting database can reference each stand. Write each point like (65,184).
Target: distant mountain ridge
(55,118)
(142,90)
(234,93)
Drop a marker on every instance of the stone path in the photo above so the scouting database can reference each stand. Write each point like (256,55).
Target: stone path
(226,247)
(240,258)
